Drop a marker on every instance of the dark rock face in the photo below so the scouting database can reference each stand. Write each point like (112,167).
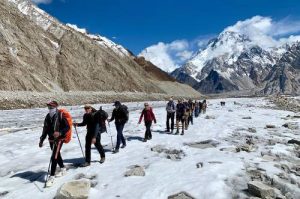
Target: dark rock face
(214,83)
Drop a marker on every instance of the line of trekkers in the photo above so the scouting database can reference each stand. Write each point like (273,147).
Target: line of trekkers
(58,127)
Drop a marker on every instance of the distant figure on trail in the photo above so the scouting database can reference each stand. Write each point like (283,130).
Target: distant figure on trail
(93,135)
(121,116)
(180,111)
(222,103)
(149,117)
(204,106)
(171,109)
(197,109)
(186,113)
(191,111)
(55,127)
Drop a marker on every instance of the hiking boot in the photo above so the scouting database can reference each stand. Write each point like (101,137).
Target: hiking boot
(61,173)
(149,138)
(102,160)
(116,151)
(86,164)
(177,132)
(50,181)
(144,140)
(182,133)
(123,146)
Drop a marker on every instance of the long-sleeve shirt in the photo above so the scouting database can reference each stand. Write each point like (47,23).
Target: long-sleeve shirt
(148,115)
(58,123)
(89,122)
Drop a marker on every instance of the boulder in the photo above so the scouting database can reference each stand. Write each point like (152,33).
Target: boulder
(181,195)
(259,189)
(203,144)
(252,130)
(135,170)
(269,158)
(78,189)
(210,117)
(291,125)
(270,126)
(293,141)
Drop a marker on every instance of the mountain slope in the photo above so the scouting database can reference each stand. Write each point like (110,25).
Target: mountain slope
(38,53)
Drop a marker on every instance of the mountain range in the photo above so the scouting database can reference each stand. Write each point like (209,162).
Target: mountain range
(234,62)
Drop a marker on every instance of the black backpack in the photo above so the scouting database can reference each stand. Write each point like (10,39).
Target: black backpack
(124,108)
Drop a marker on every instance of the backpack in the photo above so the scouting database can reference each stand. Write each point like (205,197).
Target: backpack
(67,115)
(170,106)
(125,110)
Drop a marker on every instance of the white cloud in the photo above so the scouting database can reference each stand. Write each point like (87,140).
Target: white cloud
(262,31)
(167,56)
(41,1)
(265,32)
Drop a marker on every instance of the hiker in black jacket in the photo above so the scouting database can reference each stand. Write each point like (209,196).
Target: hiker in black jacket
(120,115)
(180,116)
(55,127)
(92,135)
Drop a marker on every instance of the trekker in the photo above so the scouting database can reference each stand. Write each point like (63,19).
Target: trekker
(191,111)
(204,106)
(200,107)
(149,117)
(180,111)
(197,109)
(55,127)
(92,135)
(120,115)
(171,109)
(186,113)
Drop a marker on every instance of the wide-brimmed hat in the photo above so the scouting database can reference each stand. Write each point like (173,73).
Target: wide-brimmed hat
(52,104)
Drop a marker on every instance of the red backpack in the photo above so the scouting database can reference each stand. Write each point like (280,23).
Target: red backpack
(67,115)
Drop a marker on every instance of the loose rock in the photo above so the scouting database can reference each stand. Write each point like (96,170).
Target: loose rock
(136,170)
(259,189)
(181,195)
(78,189)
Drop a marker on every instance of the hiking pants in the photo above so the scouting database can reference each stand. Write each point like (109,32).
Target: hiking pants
(88,144)
(180,119)
(56,157)
(170,116)
(148,134)
(120,136)
(186,120)
(196,112)
(190,118)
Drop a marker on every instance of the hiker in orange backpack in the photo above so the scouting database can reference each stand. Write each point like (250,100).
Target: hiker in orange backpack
(57,128)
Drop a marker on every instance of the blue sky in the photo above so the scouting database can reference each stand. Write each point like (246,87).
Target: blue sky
(137,24)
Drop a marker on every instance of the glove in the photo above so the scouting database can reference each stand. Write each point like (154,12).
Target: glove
(93,140)
(41,144)
(56,134)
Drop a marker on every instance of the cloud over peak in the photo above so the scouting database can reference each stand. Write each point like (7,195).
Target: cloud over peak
(262,31)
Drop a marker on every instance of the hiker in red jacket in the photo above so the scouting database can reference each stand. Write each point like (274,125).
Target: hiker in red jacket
(149,117)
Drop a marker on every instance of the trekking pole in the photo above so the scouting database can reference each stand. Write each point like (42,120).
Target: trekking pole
(112,143)
(54,145)
(79,142)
